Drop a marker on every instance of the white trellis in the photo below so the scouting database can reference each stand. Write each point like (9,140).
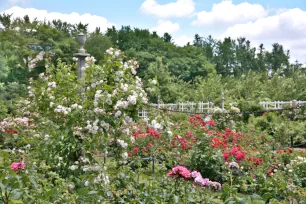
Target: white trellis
(199,107)
(276,105)
(202,107)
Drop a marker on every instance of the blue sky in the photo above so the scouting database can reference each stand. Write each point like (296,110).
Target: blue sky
(261,21)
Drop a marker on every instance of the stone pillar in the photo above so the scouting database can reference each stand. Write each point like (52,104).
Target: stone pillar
(81,55)
(223,99)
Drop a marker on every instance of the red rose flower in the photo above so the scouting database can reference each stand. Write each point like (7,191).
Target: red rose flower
(211,122)
(225,156)
(135,149)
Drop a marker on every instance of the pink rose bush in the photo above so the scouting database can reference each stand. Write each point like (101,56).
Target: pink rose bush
(183,172)
(205,182)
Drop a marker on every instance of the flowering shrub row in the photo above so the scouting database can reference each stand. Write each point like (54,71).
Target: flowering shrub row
(183,172)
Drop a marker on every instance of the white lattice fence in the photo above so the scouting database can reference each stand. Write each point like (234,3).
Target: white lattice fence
(202,107)
(199,107)
(276,105)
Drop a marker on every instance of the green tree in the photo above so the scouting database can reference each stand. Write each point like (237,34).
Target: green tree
(278,58)
(97,44)
(209,45)
(225,58)
(112,33)
(167,38)
(261,59)
(5,20)
(189,68)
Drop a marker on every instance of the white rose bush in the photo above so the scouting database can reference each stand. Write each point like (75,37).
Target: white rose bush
(75,118)
(81,116)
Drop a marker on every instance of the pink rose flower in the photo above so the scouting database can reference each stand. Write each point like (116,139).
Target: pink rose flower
(17,166)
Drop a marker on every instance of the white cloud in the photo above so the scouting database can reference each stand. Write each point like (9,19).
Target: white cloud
(93,21)
(180,8)
(287,28)
(165,26)
(226,13)
(182,40)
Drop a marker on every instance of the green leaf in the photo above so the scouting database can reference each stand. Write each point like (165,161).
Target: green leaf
(82,190)
(16,194)
(190,199)
(50,193)
(267,196)
(12,173)
(240,200)
(33,181)
(16,202)
(5,182)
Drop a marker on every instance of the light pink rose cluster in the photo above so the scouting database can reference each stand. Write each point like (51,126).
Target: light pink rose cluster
(183,172)
(8,123)
(205,182)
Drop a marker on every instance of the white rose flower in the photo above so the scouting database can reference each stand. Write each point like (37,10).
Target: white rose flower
(73,167)
(117,53)
(118,113)
(122,143)
(125,155)
(51,104)
(132,139)
(46,137)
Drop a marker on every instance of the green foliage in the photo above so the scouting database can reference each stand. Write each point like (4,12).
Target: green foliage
(189,68)
(206,161)
(4,69)
(3,110)
(97,44)
(280,128)
(300,171)
(169,89)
